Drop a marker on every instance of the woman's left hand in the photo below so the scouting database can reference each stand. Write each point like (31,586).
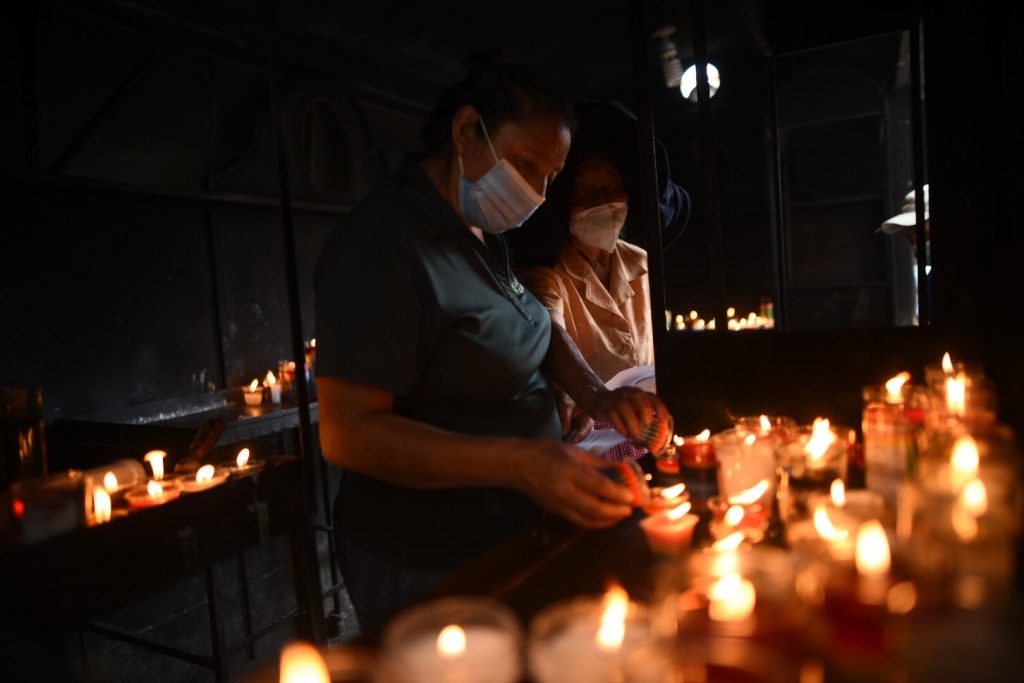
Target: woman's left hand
(630,410)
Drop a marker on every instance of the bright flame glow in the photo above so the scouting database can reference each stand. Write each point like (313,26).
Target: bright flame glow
(312,343)
(751,495)
(894,386)
(766,424)
(821,438)
(749,439)
(704,436)
(974,498)
(673,491)
(956,394)
(156,462)
(204,474)
(242,458)
(678,440)
(100,505)
(732,598)
(730,312)
(873,557)
(693,315)
(270,379)
(823,525)
(678,512)
(303,663)
(838,493)
(964,523)
(728,544)
(734,515)
(947,364)
(110,482)
(613,619)
(451,642)
(154,489)
(254,385)
(964,461)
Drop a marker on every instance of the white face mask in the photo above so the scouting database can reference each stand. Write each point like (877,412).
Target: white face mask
(500,200)
(599,226)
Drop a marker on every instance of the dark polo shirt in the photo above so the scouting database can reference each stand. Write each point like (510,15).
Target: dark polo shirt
(408,300)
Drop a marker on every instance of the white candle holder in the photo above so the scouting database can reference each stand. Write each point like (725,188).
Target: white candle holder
(744,461)
(453,640)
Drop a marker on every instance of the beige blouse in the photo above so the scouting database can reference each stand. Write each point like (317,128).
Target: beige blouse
(612,327)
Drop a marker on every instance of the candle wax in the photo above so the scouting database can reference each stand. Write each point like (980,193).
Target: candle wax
(669,536)
(491,656)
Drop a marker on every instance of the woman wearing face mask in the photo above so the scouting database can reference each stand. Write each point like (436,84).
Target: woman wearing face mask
(433,361)
(570,254)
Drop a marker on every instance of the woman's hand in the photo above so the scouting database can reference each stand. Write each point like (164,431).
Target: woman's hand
(576,424)
(568,482)
(630,410)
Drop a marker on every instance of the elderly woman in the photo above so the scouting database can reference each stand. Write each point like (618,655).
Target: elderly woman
(570,254)
(434,362)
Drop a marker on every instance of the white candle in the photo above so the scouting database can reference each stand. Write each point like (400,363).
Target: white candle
(470,653)
(275,388)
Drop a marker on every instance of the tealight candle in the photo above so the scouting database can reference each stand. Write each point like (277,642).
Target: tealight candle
(253,393)
(275,389)
(666,497)
(669,532)
(244,463)
(152,494)
(454,640)
(206,477)
(587,639)
(696,451)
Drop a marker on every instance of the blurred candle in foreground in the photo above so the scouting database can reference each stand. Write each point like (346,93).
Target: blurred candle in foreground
(302,663)
(100,505)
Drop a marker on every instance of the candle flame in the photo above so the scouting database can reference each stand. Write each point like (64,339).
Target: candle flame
(693,315)
(956,394)
(872,554)
(312,343)
(270,379)
(154,489)
(110,482)
(451,642)
(730,312)
(894,386)
(728,544)
(156,462)
(838,493)
(974,497)
(749,439)
(752,319)
(254,385)
(947,363)
(704,436)
(823,525)
(613,619)
(303,663)
(673,491)
(751,495)
(734,515)
(678,440)
(964,523)
(204,474)
(766,424)
(242,458)
(731,598)
(964,461)
(100,505)
(821,438)
(678,512)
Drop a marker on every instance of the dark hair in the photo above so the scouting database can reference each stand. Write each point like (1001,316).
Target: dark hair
(500,92)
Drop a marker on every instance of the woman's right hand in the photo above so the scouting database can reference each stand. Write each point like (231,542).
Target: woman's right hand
(568,482)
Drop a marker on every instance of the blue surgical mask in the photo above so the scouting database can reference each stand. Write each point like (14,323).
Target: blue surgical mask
(501,199)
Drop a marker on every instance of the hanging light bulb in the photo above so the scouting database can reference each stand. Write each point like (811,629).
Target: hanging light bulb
(688,84)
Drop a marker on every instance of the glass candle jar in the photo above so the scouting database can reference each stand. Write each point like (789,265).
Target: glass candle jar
(810,463)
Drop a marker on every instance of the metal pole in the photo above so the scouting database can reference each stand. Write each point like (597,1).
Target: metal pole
(307,569)
(706,147)
(779,245)
(924,312)
(649,205)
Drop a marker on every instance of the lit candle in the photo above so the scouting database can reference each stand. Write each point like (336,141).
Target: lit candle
(253,393)
(586,640)
(275,388)
(731,598)
(956,395)
(873,561)
(156,462)
(110,482)
(152,494)
(664,498)
(101,507)
(206,477)
(303,663)
(745,460)
(747,511)
(695,452)
(669,532)
(244,463)
(479,649)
